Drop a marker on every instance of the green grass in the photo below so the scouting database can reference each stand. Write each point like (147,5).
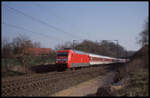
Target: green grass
(10,62)
(11,73)
(30,61)
(138,84)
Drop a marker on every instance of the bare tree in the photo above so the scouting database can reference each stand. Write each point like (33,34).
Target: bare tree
(20,45)
(143,36)
(65,45)
(6,52)
(18,49)
(37,45)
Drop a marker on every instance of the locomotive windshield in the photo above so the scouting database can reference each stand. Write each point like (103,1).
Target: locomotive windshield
(62,54)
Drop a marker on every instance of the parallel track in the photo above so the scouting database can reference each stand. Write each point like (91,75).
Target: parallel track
(17,86)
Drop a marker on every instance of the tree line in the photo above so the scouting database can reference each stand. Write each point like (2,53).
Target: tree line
(104,47)
(16,50)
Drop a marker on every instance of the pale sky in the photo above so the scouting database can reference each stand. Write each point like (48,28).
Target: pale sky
(53,23)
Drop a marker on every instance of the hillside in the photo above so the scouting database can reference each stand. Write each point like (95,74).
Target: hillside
(131,79)
(137,71)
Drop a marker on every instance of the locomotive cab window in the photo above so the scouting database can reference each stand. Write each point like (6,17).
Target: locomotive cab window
(62,54)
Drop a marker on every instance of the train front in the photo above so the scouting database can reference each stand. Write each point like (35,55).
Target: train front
(62,57)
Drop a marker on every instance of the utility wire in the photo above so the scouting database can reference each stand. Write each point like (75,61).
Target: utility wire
(57,16)
(40,21)
(18,27)
(54,14)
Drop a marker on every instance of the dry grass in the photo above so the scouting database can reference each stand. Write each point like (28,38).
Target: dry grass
(137,70)
(138,84)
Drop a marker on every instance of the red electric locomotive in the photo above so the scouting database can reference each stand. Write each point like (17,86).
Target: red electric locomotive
(71,59)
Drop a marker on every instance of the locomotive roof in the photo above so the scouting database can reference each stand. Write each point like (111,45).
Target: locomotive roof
(90,54)
(80,52)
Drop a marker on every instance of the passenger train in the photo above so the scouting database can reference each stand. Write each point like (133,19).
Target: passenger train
(70,58)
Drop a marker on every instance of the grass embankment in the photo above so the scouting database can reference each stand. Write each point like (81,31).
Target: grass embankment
(135,74)
(137,85)
(11,73)
(13,67)
(138,71)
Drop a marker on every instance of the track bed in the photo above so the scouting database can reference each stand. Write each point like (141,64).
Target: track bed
(46,84)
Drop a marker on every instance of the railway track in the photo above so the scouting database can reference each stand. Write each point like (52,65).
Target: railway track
(12,80)
(17,87)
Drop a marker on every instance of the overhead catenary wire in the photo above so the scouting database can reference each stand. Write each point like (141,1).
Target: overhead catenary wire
(19,27)
(54,14)
(42,22)
(37,33)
